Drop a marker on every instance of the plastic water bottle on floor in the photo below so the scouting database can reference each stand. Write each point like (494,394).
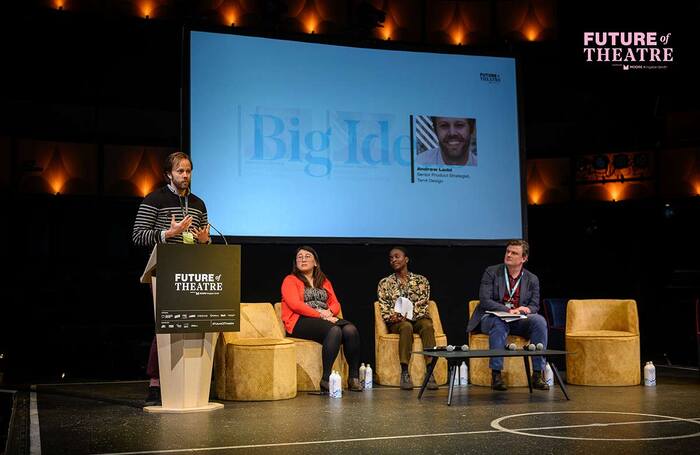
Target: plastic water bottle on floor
(363,370)
(339,382)
(335,389)
(548,375)
(368,377)
(331,384)
(463,374)
(649,374)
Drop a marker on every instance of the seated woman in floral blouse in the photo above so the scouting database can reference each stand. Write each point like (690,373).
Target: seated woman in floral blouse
(415,288)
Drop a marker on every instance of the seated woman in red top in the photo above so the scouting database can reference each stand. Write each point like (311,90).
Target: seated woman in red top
(309,311)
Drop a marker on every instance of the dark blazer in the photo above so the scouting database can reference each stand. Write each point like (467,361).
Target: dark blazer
(493,288)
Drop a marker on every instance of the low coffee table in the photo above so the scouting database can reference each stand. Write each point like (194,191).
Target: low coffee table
(454,358)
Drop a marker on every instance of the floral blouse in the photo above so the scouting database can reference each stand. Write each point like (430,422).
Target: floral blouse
(416,289)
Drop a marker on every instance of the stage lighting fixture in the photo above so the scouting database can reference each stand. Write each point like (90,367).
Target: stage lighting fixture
(600,162)
(621,161)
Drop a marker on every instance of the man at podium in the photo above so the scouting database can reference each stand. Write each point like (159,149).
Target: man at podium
(170,214)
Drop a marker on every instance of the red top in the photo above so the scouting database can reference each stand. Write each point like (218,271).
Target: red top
(515,301)
(293,304)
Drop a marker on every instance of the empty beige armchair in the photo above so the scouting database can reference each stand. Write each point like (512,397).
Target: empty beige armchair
(602,338)
(386,349)
(257,363)
(309,362)
(513,372)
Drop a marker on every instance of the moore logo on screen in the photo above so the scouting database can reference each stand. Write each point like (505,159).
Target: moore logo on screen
(199,283)
(491,78)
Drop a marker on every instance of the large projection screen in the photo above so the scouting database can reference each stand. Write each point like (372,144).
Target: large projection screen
(292,139)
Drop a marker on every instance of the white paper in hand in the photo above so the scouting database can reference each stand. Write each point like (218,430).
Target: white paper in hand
(404,307)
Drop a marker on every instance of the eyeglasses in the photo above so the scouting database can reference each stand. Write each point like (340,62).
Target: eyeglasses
(305,257)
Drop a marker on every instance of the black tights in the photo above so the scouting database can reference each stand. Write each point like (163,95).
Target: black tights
(331,336)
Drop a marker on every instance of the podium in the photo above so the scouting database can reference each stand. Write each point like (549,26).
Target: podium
(196,295)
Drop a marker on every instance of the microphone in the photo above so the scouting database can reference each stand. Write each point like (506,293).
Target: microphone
(511,347)
(529,347)
(540,347)
(220,234)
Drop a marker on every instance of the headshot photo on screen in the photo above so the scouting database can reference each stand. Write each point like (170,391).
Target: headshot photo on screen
(445,141)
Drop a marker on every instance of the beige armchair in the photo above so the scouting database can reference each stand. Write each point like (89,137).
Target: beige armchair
(513,372)
(602,338)
(257,363)
(386,348)
(309,364)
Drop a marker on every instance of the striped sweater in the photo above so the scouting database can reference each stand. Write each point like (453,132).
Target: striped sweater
(155,212)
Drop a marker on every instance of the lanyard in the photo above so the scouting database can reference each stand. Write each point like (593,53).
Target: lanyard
(511,292)
(187,236)
(186,208)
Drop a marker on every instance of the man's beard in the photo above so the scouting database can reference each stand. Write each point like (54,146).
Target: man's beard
(180,186)
(460,148)
(453,152)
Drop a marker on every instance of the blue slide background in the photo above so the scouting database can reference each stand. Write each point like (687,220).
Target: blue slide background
(293,139)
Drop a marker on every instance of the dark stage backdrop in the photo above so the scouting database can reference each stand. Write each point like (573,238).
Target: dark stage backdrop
(75,305)
(72,266)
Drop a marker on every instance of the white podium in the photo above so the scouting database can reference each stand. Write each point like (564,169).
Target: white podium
(185,362)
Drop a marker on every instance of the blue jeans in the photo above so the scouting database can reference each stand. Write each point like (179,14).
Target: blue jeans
(534,328)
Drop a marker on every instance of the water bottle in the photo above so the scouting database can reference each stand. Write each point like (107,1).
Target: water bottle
(649,374)
(339,384)
(363,370)
(548,374)
(463,374)
(368,377)
(335,390)
(331,384)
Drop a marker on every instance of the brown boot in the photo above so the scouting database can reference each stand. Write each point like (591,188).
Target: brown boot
(406,382)
(354,385)
(497,381)
(538,381)
(153,398)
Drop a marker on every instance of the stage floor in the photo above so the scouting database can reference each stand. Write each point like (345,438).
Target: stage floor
(102,418)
